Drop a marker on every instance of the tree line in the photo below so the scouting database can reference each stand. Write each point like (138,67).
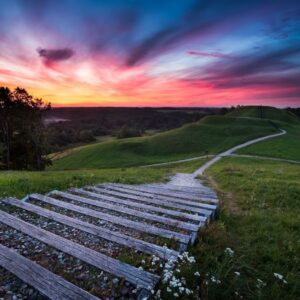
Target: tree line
(22,133)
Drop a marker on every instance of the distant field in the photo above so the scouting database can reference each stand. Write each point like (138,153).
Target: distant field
(69,151)
(287,146)
(209,136)
(260,222)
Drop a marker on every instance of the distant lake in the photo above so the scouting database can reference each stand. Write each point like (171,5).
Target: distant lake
(48,121)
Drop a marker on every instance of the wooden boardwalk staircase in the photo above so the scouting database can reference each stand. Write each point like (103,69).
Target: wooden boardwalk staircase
(90,243)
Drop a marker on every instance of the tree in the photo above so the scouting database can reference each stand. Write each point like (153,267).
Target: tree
(22,130)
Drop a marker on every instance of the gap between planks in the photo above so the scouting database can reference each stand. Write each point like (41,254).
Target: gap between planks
(95,193)
(128,211)
(132,274)
(162,252)
(46,282)
(161,202)
(183,238)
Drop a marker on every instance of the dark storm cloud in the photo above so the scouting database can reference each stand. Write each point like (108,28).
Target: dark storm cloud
(53,55)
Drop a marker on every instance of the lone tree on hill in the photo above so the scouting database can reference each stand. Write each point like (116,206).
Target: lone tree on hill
(22,134)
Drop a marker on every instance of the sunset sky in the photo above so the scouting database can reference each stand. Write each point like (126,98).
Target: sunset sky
(152,52)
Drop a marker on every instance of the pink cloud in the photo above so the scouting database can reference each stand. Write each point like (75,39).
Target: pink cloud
(208,54)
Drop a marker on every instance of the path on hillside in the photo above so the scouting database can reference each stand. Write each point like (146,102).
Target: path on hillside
(228,152)
(181,179)
(266,158)
(178,161)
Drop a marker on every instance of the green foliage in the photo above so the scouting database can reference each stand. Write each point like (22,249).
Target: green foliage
(209,136)
(21,130)
(126,132)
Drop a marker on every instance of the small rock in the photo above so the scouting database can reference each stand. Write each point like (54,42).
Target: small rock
(82,276)
(124,291)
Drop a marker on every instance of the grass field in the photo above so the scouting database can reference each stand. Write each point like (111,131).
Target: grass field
(211,135)
(259,221)
(20,183)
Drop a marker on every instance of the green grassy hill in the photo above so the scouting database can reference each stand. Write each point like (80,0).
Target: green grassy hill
(210,135)
(287,146)
(265,112)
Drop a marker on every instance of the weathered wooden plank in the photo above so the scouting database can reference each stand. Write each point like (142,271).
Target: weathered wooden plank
(128,211)
(151,193)
(96,194)
(96,259)
(189,191)
(50,285)
(162,252)
(183,238)
(157,192)
(162,192)
(119,192)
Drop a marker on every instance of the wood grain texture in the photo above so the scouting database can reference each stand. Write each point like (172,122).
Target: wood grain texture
(120,192)
(95,193)
(183,238)
(129,211)
(96,259)
(162,252)
(46,282)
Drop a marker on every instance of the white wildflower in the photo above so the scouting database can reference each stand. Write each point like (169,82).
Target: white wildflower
(197,274)
(260,283)
(176,295)
(237,273)
(169,290)
(279,276)
(229,252)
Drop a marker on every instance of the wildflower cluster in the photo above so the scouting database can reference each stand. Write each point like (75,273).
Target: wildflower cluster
(229,252)
(176,284)
(260,284)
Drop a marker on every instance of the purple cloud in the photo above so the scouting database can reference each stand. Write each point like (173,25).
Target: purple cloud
(53,55)
(208,54)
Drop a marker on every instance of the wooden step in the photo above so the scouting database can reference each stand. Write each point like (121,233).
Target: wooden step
(95,193)
(159,192)
(47,283)
(146,194)
(114,219)
(120,192)
(162,252)
(189,191)
(128,211)
(96,259)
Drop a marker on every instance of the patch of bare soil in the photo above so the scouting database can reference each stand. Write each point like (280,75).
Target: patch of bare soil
(228,200)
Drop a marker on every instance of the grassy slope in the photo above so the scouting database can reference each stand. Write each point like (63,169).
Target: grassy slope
(265,112)
(212,134)
(21,183)
(260,222)
(287,146)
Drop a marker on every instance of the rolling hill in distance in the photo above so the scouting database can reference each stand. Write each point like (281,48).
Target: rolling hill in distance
(210,135)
